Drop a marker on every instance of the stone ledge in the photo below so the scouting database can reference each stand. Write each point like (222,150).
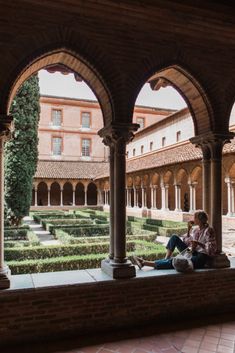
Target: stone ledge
(89,276)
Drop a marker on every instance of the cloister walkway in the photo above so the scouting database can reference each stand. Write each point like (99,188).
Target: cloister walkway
(215,334)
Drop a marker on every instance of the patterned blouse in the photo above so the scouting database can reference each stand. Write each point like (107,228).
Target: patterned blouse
(205,236)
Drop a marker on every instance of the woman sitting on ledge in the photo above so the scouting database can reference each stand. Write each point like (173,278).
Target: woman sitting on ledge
(201,240)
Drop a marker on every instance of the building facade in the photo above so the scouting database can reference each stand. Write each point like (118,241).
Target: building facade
(164,171)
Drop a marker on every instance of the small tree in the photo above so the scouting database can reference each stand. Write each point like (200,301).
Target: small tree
(21,152)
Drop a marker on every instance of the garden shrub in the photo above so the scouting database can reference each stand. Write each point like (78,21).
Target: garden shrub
(79,262)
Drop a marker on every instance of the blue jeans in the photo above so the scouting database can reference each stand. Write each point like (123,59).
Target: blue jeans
(198,259)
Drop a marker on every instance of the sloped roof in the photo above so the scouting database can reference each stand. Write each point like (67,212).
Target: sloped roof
(96,170)
(70,169)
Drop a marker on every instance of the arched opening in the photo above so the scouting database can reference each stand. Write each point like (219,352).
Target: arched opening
(168,190)
(92,194)
(182,184)
(64,58)
(55,194)
(79,194)
(196,179)
(42,194)
(67,194)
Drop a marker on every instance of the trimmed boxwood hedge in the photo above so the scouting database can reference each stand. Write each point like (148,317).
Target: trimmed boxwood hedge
(49,223)
(84,231)
(65,238)
(15,234)
(74,262)
(42,252)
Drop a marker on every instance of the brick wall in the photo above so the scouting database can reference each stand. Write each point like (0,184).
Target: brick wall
(83,308)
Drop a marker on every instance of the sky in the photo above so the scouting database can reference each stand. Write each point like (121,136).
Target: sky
(57,84)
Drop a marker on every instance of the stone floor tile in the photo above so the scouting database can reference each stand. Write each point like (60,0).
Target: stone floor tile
(210,339)
(170,350)
(212,333)
(224,349)
(178,342)
(126,349)
(112,346)
(224,342)
(228,336)
(192,343)
(209,346)
(188,349)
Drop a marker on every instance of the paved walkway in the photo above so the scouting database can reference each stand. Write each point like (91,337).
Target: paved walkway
(215,335)
(44,236)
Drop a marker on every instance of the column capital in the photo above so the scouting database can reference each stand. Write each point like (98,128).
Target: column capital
(212,143)
(6,125)
(116,133)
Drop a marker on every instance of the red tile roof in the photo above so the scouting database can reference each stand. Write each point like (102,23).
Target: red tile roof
(97,170)
(70,169)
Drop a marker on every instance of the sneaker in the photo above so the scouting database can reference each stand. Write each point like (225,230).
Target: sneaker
(137,262)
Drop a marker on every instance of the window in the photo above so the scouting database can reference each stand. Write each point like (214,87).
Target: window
(163,141)
(142,149)
(86,147)
(178,136)
(151,146)
(56,146)
(86,120)
(133,152)
(56,117)
(127,154)
(141,122)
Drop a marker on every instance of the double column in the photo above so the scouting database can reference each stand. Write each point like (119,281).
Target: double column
(116,136)
(5,126)
(211,145)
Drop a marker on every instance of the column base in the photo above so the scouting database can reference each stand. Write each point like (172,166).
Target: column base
(5,274)
(220,261)
(118,271)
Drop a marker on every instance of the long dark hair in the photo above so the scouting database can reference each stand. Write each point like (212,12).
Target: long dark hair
(202,216)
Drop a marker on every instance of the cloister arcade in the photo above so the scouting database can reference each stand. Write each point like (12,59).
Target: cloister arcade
(65,193)
(160,62)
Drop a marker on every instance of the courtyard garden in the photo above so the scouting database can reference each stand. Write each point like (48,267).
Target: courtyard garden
(82,240)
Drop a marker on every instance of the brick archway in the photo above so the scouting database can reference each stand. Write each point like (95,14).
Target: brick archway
(76,64)
(193,94)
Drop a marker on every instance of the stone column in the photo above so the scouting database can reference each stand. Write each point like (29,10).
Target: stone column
(178,198)
(155,196)
(166,197)
(35,196)
(152,196)
(49,197)
(143,196)
(128,197)
(163,197)
(117,135)
(105,197)
(232,198)
(74,191)
(134,196)
(5,126)
(192,192)
(212,146)
(206,178)
(61,197)
(85,192)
